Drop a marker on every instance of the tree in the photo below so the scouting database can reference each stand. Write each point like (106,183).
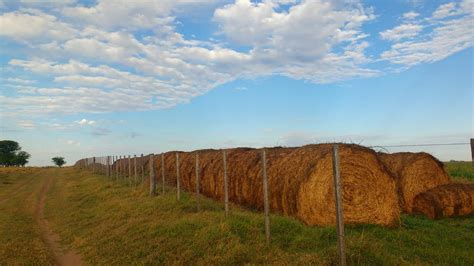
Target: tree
(9,149)
(59,161)
(21,158)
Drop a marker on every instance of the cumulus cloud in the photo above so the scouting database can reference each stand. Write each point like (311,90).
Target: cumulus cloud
(444,37)
(401,32)
(410,15)
(34,25)
(128,55)
(85,122)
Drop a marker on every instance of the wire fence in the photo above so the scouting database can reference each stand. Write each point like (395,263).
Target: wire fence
(136,170)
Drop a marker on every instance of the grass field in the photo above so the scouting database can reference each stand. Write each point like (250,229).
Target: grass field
(463,171)
(107,222)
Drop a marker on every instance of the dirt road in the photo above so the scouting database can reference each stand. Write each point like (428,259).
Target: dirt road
(62,257)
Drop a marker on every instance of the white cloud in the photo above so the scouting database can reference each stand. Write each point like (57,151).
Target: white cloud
(410,15)
(446,10)
(127,55)
(401,32)
(19,81)
(85,122)
(27,124)
(34,25)
(69,142)
(444,38)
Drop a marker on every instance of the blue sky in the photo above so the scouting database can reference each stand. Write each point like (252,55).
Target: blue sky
(85,78)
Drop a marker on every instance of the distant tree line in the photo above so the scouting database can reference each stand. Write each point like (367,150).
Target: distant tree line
(11,154)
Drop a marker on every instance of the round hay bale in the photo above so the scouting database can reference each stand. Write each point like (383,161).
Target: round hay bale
(414,173)
(369,192)
(300,181)
(450,200)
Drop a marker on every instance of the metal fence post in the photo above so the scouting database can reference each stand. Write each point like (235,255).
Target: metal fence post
(339,208)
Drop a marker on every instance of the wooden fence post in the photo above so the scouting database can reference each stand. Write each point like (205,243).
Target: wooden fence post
(129,170)
(178,196)
(116,167)
(198,204)
(226,185)
(93,164)
(472,150)
(339,208)
(124,167)
(265,197)
(135,168)
(152,176)
(143,168)
(107,161)
(119,167)
(162,173)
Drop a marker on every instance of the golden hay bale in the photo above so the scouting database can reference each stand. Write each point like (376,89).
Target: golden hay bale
(300,181)
(414,173)
(448,200)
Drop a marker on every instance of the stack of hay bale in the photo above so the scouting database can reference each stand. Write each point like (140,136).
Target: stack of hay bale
(425,187)
(377,187)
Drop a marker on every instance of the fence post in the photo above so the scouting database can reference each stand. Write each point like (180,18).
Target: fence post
(119,168)
(197,182)
(163,173)
(116,168)
(339,208)
(129,171)
(178,196)
(108,165)
(111,166)
(226,185)
(135,168)
(265,197)
(124,167)
(93,164)
(472,150)
(152,176)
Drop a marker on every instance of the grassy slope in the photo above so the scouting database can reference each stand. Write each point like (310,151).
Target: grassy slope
(110,223)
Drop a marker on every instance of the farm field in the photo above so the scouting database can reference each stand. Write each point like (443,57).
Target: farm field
(108,222)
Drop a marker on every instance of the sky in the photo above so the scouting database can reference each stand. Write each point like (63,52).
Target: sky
(111,77)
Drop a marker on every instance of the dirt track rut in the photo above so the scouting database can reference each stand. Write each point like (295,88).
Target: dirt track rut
(69,257)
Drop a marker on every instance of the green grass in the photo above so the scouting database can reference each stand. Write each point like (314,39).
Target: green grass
(108,222)
(463,171)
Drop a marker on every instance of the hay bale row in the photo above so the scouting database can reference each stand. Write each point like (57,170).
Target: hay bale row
(450,200)
(414,173)
(300,181)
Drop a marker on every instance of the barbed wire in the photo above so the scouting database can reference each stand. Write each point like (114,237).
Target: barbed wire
(424,145)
